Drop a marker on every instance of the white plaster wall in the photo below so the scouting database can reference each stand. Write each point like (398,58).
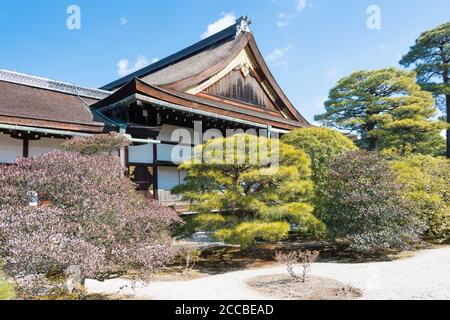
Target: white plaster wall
(176,154)
(141,154)
(180,153)
(10,149)
(183,175)
(169,178)
(43,146)
(167,130)
(144,153)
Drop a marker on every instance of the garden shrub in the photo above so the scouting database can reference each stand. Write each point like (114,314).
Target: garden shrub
(89,215)
(97,144)
(364,205)
(187,257)
(427,184)
(6,288)
(291,259)
(320,144)
(246,233)
(254,200)
(209,222)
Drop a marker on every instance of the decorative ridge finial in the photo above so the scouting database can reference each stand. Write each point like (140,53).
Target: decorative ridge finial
(243,25)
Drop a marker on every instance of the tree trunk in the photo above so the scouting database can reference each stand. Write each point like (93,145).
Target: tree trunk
(372,144)
(447,98)
(447,103)
(372,141)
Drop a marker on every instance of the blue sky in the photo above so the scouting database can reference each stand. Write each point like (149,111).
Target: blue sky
(309,44)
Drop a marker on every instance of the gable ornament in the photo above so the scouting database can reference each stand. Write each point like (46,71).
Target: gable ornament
(245,69)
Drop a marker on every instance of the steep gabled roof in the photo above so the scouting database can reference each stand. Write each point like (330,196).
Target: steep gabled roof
(203,61)
(217,40)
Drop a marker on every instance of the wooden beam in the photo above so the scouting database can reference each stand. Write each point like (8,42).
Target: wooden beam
(54,124)
(182,100)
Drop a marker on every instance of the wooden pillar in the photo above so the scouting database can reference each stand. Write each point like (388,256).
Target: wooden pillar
(155,172)
(127,157)
(123,152)
(26,148)
(269,132)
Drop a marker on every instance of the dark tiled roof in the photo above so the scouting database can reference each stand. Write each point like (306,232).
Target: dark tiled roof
(24,101)
(164,70)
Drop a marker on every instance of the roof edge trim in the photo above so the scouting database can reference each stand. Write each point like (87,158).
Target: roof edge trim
(52,85)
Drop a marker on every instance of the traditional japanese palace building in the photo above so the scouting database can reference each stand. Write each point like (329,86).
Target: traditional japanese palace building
(222,81)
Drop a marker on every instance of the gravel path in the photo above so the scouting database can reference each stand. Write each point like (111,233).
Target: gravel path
(424,276)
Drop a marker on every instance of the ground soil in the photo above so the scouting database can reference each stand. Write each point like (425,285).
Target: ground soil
(219,260)
(315,288)
(224,259)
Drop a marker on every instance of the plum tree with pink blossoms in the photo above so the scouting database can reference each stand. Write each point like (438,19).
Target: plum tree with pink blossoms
(89,216)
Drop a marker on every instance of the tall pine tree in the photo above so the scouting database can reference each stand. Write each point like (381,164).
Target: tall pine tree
(385,109)
(242,196)
(430,57)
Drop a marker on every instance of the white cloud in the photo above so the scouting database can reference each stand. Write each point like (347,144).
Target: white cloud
(285,19)
(227,20)
(302,4)
(154,60)
(123,21)
(282,24)
(124,68)
(332,72)
(278,56)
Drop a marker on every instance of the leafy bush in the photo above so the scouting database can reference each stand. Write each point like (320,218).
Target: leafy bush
(6,288)
(427,184)
(98,144)
(187,257)
(89,216)
(320,144)
(364,205)
(209,222)
(246,233)
(256,195)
